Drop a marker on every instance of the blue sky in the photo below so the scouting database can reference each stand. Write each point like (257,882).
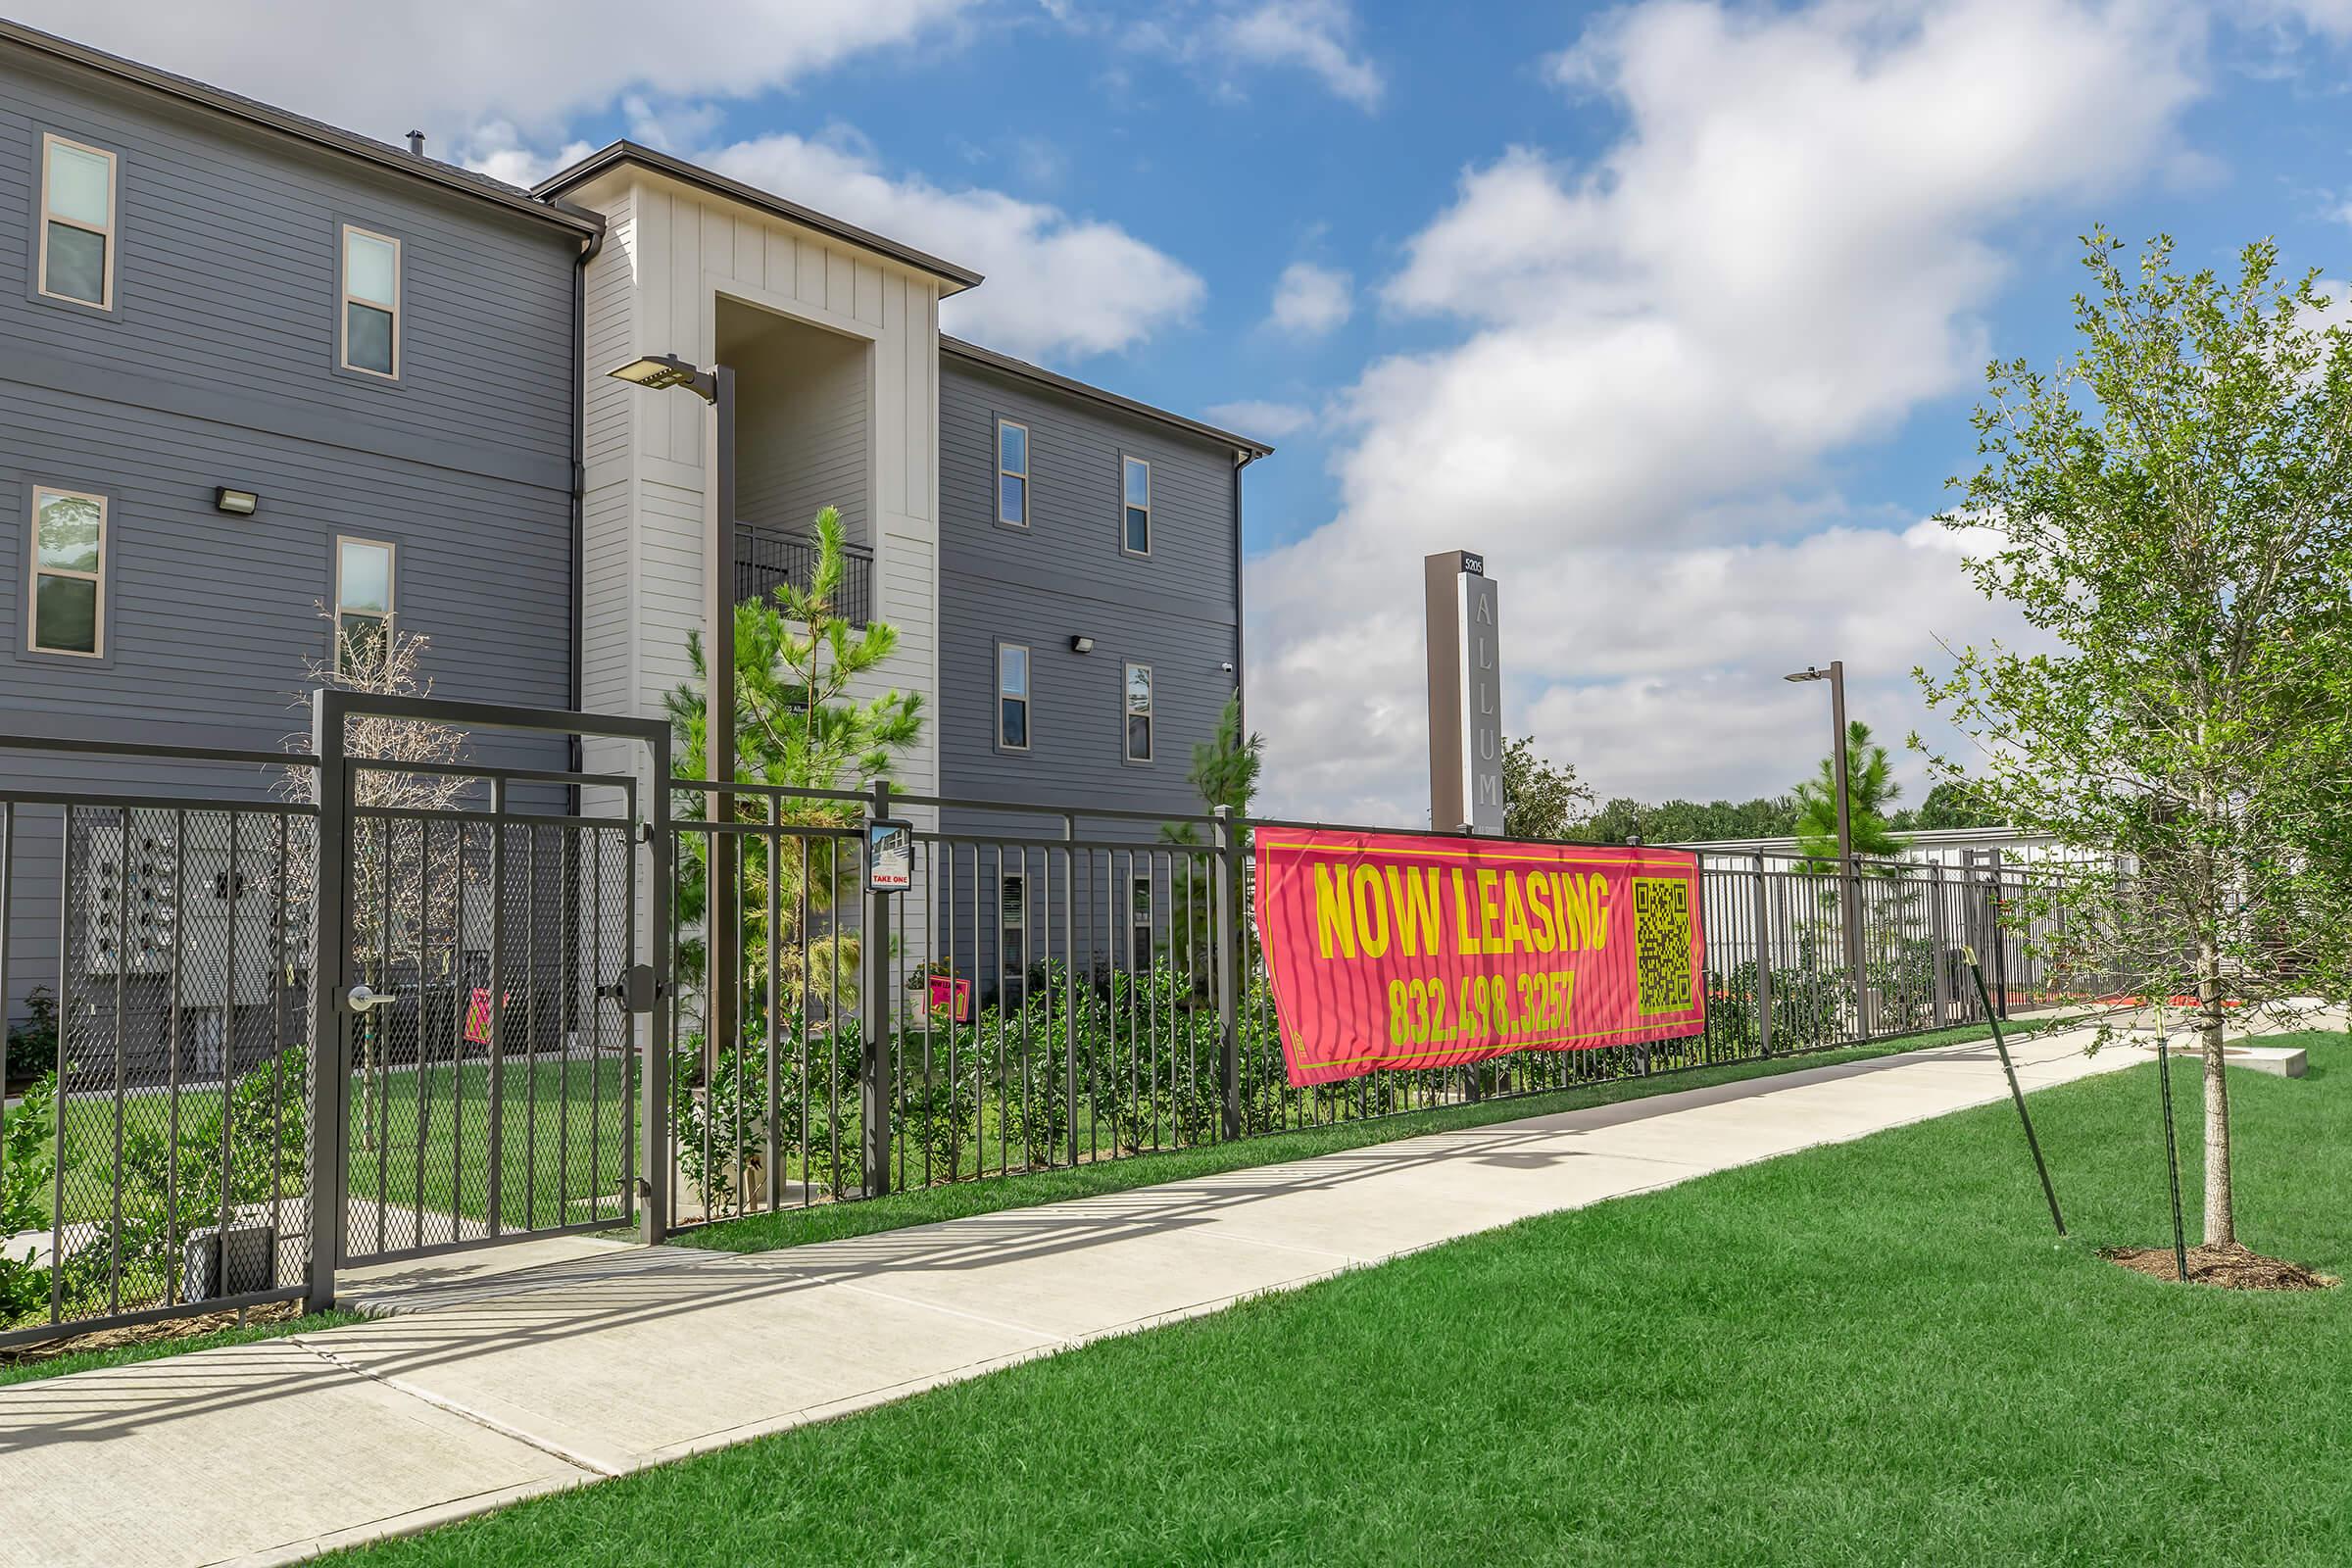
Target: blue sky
(1675,309)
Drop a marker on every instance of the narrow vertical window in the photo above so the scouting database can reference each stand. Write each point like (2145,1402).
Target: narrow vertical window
(1012,697)
(1139,712)
(371,303)
(363,603)
(1012,925)
(1135,480)
(69,573)
(1013,473)
(1139,923)
(78,222)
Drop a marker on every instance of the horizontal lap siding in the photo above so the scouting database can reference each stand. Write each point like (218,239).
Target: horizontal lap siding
(225,277)
(1065,576)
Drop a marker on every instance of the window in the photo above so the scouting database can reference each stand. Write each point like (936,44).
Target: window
(1136,479)
(1012,923)
(1012,697)
(1013,473)
(371,303)
(362,602)
(69,573)
(1139,712)
(1139,923)
(78,222)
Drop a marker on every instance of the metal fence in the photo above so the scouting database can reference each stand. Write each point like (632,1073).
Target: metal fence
(1086,985)
(277,1016)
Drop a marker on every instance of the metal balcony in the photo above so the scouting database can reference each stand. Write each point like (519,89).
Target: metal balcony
(767,557)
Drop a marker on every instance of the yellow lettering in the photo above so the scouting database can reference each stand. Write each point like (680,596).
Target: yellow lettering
(1541,929)
(1335,922)
(1488,941)
(1514,917)
(1576,926)
(1418,929)
(1371,917)
(1599,887)
(1466,939)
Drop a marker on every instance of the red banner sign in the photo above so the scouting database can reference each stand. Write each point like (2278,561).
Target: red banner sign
(1392,950)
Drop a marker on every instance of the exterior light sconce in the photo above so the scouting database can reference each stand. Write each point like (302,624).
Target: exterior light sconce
(1081,645)
(660,371)
(236,503)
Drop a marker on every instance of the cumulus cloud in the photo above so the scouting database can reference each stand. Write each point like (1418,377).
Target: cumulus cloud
(1315,35)
(452,67)
(1311,301)
(1781,257)
(1057,284)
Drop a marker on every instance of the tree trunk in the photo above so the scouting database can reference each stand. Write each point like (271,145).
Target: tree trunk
(2220,1227)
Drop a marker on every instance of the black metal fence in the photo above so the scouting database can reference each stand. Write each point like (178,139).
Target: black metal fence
(765,558)
(269,1020)
(1094,987)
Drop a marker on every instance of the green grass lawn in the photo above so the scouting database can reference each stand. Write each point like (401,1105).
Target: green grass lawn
(1873,1353)
(825,1222)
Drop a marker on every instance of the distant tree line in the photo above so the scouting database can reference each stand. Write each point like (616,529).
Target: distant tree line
(1545,800)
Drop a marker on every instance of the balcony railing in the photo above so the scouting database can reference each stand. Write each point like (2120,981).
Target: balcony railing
(767,557)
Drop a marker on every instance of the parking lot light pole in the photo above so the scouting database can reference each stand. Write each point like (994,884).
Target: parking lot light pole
(1849,889)
(716,387)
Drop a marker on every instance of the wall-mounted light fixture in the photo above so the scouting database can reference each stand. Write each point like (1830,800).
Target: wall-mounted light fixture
(1081,645)
(236,503)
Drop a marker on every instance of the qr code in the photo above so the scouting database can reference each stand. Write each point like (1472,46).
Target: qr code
(1663,944)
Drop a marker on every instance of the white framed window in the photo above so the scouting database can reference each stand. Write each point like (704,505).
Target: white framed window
(1139,712)
(1012,474)
(364,582)
(1139,921)
(1134,485)
(370,325)
(1012,922)
(78,222)
(69,573)
(1012,697)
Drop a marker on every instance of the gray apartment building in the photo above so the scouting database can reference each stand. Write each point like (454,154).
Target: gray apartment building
(261,377)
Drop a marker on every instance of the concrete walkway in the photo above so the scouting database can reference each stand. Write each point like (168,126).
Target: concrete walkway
(502,1374)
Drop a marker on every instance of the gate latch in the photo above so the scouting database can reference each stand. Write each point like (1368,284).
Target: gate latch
(634,990)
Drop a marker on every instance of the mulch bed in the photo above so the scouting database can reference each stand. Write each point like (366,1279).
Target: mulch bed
(173,1328)
(2231,1268)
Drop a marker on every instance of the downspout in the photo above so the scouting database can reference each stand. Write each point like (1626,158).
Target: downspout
(579,479)
(1241,458)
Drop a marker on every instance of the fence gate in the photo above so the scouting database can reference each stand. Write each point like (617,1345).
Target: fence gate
(486,987)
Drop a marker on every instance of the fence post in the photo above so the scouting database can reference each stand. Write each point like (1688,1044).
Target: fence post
(329,1080)
(654,1118)
(1763,960)
(1940,946)
(1225,929)
(873,953)
(1070,976)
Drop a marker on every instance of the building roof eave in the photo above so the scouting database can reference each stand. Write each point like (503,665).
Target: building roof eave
(1250,449)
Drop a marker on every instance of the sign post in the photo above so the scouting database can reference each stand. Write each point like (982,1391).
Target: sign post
(1466,694)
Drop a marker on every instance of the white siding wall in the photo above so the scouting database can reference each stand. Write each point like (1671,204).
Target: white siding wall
(672,251)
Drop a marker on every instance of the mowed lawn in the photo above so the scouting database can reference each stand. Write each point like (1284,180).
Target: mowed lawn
(1875,1352)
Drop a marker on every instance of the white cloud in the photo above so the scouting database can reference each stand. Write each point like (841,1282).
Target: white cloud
(1782,256)
(451,67)
(1311,301)
(1056,284)
(1315,35)
(1268,421)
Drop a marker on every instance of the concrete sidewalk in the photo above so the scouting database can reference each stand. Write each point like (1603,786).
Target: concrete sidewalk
(502,1374)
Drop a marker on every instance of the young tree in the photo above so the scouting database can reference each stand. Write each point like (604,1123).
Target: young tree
(795,724)
(2171,510)
(1224,771)
(1870,790)
(409,905)
(1541,799)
